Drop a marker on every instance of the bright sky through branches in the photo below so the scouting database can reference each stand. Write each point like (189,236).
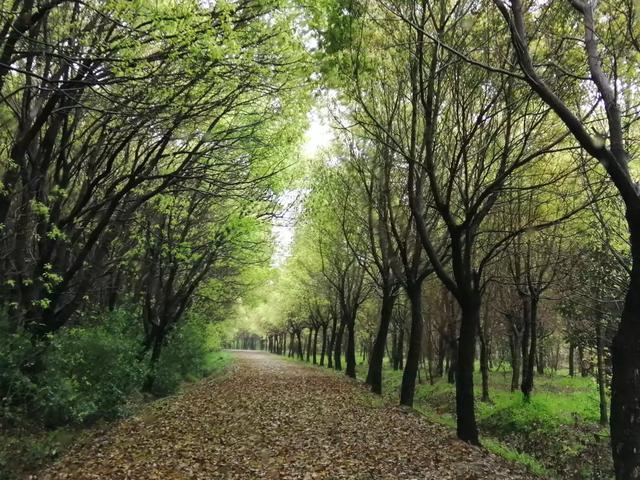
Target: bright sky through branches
(317,137)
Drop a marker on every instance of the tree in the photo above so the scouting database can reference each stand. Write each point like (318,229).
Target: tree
(611,148)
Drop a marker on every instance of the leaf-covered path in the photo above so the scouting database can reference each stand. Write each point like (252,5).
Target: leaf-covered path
(269,418)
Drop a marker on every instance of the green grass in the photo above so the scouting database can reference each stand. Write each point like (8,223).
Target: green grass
(529,462)
(217,362)
(556,430)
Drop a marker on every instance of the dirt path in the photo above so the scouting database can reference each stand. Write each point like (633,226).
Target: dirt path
(269,418)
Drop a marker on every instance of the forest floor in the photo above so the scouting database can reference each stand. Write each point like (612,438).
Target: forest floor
(273,419)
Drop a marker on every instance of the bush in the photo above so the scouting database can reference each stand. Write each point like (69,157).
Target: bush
(17,389)
(183,357)
(91,371)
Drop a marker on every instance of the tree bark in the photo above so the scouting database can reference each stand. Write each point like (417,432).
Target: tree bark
(407,389)
(323,349)
(516,356)
(467,428)
(299,337)
(309,336)
(484,366)
(572,368)
(350,352)
(625,360)
(315,345)
(400,349)
(604,419)
(527,375)
(374,374)
(540,356)
(337,353)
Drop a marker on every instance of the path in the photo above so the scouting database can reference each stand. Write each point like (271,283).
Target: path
(273,419)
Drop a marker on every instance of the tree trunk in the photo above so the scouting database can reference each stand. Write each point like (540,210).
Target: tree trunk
(540,356)
(516,356)
(374,375)
(337,353)
(407,389)
(625,361)
(315,345)
(309,336)
(526,337)
(323,349)
(158,334)
(299,337)
(604,419)
(393,354)
(572,368)
(400,349)
(442,353)
(453,361)
(584,368)
(350,352)
(331,344)
(484,366)
(466,418)
(527,374)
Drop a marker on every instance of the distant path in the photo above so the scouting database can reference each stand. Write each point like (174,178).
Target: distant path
(274,419)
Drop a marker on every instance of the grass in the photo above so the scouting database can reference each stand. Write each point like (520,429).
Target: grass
(217,362)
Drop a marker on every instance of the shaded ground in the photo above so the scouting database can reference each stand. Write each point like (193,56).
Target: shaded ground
(273,419)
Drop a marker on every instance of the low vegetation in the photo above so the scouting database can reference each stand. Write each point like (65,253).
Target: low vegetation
(90,376)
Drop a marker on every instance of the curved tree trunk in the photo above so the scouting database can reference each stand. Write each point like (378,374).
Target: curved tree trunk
(374,374)
(407,389)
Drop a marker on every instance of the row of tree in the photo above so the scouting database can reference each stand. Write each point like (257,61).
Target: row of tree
(142,145)
(462,203)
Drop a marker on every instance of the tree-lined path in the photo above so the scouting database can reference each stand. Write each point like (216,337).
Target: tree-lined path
(270,418)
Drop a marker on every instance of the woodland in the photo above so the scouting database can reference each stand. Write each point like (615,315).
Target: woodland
(463,239)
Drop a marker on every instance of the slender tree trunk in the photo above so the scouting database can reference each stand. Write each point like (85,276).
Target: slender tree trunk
(350,352)
(572,368)
(484,366)
(407,389)
(337,354)
(158,334)
(315,345)
(400,348)
(527,374)
(453,363)
(299,337)
(332,342)
(516,356)
(394,345)
(467,428)
(309,336)
(540,357)
(374,375)
(604,418)
(584,368)
(323,349)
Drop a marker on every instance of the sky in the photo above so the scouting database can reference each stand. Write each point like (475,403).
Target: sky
(318,136)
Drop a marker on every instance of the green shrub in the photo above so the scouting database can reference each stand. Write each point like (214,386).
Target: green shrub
(183,357)
(17,388)
(91,371)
